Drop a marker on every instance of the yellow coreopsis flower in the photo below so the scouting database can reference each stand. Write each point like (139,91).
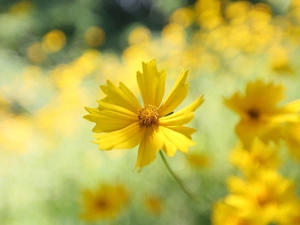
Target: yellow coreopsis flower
(105,202)
(259,157)
(264,199)
(260,115)
(122,123)
(154,204)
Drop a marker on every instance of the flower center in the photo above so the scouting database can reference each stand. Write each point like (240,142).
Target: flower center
(263,198)
(253,114)
(148,115)
(102,203)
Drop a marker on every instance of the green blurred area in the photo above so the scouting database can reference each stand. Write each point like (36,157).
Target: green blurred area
(47,157)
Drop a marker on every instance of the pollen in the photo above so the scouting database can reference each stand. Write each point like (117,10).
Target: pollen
(148,115)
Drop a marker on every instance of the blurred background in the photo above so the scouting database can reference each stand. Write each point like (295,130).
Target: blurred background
(54,55)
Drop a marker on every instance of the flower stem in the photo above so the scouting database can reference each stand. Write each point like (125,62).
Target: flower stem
(177,179)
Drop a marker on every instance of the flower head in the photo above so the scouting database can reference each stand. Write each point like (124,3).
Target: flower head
(154,204)
(260,115)
(264,199)
(104,203)
(256,159)
(123,123)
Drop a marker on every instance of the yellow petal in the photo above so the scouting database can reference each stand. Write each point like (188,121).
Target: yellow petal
(107,121)
(176,120)
(176,96)
(238,104)
(183,116)
(131,97)
(115,108)
(264,94)
(178,139)
(104,88)
(169,147)
(125,138)
(186,131)
(151,143)
(151,83)
(124,99)
(247,131)
(91,110)
(293,106)
(282,118)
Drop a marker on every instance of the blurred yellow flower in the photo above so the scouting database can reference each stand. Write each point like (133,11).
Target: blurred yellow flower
(224,214)
(12,126)
(36,53)
(54,41)
(123,123)
(94,36)
(260,115)
(106,202)
(279,60)
(154,204)
(258,157)
(265,199)
(139,35)
(182,16)
(237,12)
(198,160)
(209,13)
(21,8)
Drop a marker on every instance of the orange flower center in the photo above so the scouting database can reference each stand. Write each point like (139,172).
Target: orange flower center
(148,115)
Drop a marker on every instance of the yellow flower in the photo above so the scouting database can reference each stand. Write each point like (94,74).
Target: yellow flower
(122,123)
(198,160)
(105,202)
(258,157)
(260,115)
(224,214)
(154,204)
(264,199)
(54,41)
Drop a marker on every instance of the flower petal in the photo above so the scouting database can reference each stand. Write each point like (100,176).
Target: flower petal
(169,147)
(131,97)
(293,106)
(238,104)
(176,120)
(151,143)
(263,94)
(178,139)
(151,83)
(91,111)
(176,95)
(107,121)
(248,130)
(125,138)
(115,108)
(187,131)
(183,116)
(122,97)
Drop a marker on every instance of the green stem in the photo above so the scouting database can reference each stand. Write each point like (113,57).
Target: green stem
(177,179)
